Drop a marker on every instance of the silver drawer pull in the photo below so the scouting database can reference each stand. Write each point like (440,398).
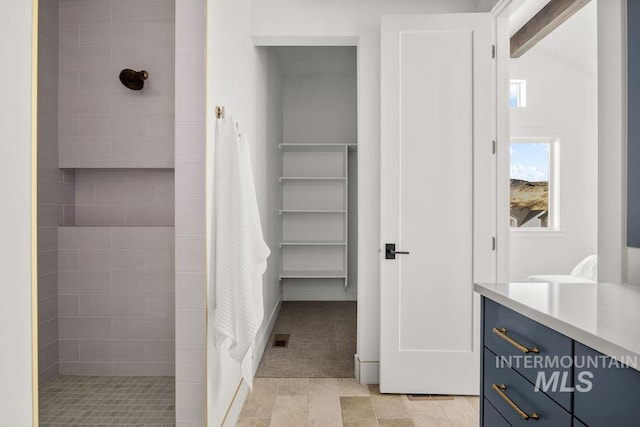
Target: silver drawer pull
(502,333)
(498,389)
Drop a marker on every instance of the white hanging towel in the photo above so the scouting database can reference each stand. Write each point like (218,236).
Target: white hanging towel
(240,250)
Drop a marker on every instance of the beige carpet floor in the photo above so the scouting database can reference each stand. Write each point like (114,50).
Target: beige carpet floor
(322,341)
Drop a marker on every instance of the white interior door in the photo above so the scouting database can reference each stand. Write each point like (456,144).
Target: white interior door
(437,199)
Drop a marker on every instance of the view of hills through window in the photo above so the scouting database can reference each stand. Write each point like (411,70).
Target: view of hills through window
(530,171)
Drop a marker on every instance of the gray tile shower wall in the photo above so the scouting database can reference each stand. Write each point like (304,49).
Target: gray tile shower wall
(55,192)
(124,197)
(102,123)
(116,301)
(191,387)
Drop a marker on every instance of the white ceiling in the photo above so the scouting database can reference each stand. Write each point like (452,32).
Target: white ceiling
(485,5)
(573,43)
(317,60)
(524,12)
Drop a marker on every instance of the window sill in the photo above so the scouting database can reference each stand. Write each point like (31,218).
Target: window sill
(537,233)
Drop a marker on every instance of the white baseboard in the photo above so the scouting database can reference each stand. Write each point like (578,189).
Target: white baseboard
(294,294)
(262,340)
(367,372)
(233,413)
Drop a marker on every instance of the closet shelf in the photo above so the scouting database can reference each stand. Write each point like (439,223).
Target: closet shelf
(313,243)
(313,274)
(312,178)
(282,211)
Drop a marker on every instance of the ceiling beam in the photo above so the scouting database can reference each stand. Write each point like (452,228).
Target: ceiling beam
(544,22)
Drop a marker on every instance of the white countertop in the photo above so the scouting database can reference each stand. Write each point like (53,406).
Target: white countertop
(603,316)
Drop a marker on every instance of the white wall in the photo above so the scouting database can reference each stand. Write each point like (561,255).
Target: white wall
(561,103)
(230,82)
(320,109)
(16,32)
(360,19)
(612,263)
(267,163)
(633,260)
(246,82)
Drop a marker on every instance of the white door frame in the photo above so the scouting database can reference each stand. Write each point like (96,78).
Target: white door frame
(501,11)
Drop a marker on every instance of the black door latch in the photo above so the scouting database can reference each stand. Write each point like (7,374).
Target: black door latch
(390,251)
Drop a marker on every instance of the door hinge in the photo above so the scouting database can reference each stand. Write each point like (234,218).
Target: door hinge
(493,243)
(493,147)
(493,50)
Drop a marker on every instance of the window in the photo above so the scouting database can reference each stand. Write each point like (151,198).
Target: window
(533,182)
(518,93)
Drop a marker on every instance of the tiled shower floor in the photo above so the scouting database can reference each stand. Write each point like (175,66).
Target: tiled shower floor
(108,401)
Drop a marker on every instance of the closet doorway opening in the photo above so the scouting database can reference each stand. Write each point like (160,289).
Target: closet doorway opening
(313,145)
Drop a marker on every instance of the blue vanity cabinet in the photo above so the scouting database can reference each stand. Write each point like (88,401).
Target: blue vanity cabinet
(602,392)
(504,387)
(508,334)
(491,417)
(576,423)
(614,396)
(509,388)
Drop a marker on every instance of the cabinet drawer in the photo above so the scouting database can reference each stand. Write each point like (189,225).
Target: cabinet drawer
(522,393)
(491,417)
(551,345)
(613,397)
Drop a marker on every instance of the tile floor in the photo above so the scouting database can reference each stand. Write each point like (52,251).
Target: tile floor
(108,401)
(328,402)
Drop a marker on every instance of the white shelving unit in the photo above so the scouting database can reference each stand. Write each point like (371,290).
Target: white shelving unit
(281,211)
(314,212)
(313,274)
(311,178)
(312,243)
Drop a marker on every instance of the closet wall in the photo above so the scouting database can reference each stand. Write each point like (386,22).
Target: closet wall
(267,167)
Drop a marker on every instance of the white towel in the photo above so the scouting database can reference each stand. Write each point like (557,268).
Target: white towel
(240,250)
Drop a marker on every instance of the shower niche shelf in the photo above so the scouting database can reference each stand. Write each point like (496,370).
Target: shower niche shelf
(141,152)
(122,198)
(314,212)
